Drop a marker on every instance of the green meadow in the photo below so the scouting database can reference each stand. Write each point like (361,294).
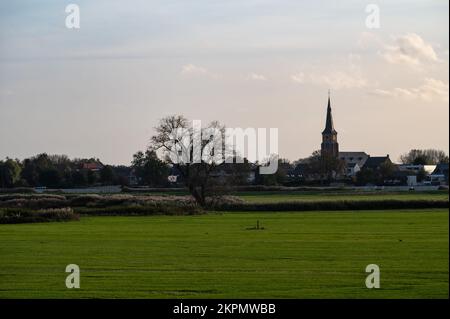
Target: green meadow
(293,255)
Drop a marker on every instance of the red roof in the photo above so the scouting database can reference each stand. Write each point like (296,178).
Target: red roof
(92,166)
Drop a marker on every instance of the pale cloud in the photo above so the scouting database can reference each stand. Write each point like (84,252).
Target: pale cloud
(349,76)
(411,50)
(430,90)
(335,79)
(299,78)
(193,69)
(257,77)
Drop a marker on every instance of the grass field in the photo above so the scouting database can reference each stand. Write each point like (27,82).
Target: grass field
(271,197)
(297,255)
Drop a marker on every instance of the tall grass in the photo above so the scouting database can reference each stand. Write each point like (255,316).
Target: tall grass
(20,215)
(29,208)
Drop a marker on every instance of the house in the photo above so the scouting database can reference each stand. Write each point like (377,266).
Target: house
(239,173)
(298,171)
(375,162)
(354,161)
(440,174)
(416,169)
(352,169)
(414,174)
(132,178)
(175,175)
(92,166)
(359,158)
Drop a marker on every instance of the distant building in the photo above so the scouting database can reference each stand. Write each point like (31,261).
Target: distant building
(376,162)
(132,178)
(299,171)
(416,169)
(352,169)
(330,145)
(92,166)
(356,161)
(359,158)
(440,174)
(414,174)
(411,180)
(175,175)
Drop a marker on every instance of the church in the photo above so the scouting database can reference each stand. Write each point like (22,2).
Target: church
(330,145)
(354,161)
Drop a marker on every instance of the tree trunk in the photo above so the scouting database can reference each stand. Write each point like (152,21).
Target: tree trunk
(199,195)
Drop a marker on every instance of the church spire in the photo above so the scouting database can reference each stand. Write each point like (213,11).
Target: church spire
(330,145)
(329,126)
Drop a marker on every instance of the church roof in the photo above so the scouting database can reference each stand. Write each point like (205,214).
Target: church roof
(329,126)
(354,154)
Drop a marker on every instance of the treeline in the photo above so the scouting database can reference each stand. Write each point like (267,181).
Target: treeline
(147,169)
(58,171)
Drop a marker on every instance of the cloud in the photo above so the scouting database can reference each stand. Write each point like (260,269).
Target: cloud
(194,70)
(348,76)
(335,80)
(411,50)
(430,90)
(299,78)
(257,77)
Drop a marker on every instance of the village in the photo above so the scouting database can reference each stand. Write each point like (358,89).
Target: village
(329,166)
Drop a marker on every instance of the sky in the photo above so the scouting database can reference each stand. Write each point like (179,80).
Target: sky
(99,91)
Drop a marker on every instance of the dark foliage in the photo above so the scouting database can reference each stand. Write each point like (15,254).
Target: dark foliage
(21,215)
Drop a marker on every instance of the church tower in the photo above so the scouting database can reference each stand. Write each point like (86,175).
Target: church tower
(330,145)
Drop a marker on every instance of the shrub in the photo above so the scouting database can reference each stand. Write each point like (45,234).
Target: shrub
(16,216)
(17,190)
(31,196)
(84,200)
(334,205)
(223,200)
(33,201)
(156,208)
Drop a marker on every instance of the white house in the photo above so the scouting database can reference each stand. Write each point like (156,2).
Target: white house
(415,169)
(352,169)
(359,158)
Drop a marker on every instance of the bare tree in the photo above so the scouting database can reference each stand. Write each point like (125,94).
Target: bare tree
(424,157)
(195,152)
